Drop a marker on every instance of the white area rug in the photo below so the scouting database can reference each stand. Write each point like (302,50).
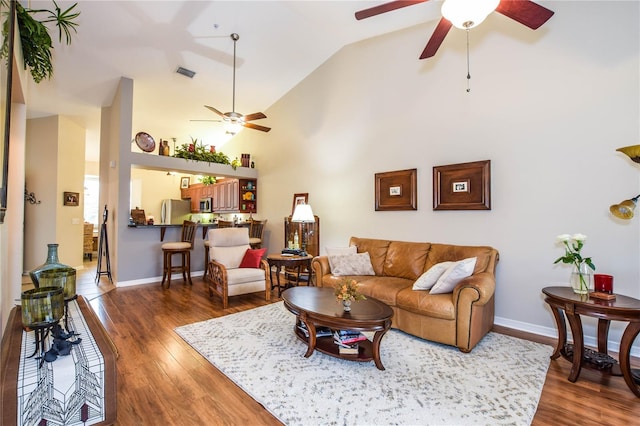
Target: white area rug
(424,383)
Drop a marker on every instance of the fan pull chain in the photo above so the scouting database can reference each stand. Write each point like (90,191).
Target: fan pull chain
(468,72)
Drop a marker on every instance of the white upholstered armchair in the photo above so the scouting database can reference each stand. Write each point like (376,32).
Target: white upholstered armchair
(234,268)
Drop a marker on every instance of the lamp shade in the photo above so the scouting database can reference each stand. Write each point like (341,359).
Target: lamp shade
(632,151)
(624,210)
(466,14)
(303,213)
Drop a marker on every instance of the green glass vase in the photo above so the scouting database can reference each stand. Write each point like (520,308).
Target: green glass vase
(51,263)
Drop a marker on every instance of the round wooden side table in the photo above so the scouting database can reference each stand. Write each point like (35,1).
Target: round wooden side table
(564,302)
(298,263)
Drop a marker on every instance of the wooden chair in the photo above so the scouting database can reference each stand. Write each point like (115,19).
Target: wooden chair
(183,248)
(225,223)
(88,240)
(226,278)
(255,233)
(221,224)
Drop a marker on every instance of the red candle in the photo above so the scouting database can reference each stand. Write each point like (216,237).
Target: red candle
(603,283)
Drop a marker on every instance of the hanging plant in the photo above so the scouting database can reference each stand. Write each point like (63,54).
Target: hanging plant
(35,39)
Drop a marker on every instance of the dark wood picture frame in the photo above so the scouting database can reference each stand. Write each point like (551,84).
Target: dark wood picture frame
(71,198)
(299,199)
(464,186)
(184,182)
(396,190)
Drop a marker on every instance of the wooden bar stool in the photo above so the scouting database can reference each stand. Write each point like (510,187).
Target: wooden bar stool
(183,248)
(221,224)
(255,233)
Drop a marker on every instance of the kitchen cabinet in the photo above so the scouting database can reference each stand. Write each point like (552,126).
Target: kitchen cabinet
(227,196)
(196,193)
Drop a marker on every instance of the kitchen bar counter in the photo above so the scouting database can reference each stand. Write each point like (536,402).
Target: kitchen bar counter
(163,227)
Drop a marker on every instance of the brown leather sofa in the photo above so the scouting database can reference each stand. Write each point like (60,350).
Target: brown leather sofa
(459,319)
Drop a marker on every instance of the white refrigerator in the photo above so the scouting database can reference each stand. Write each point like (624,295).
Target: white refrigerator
(175,211)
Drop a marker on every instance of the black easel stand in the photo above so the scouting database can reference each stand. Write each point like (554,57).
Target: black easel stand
(103,248)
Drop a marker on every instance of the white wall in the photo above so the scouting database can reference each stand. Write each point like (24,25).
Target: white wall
(156,186)
(55,164)
(547,107)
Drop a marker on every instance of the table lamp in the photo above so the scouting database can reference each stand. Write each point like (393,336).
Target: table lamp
(303,214)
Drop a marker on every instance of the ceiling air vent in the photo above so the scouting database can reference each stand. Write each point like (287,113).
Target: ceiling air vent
(186,72)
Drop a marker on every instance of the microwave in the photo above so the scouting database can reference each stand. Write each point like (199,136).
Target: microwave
(205,205)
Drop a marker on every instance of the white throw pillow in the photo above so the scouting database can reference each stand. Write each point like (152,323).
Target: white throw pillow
(429,278)
(352,264)
(230,257)
(453,275)
(332,252)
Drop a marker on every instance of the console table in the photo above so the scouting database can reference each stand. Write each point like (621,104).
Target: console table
(77,389)
(564,302)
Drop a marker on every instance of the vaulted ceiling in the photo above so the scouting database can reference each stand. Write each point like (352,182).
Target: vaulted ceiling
(281,42)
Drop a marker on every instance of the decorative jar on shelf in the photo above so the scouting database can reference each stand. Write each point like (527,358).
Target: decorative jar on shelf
(52,262)
(346,305)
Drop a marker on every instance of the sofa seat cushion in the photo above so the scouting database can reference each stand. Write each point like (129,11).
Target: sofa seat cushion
(423,303)
(244,275)
(384,289)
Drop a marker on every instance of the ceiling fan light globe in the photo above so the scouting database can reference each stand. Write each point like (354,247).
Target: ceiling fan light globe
(232,127)
(466,14)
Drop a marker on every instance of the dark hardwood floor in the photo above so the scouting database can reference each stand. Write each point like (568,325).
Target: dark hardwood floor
(162,380)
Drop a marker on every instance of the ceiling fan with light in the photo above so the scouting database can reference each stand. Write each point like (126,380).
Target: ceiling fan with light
(466,14)
(234,121)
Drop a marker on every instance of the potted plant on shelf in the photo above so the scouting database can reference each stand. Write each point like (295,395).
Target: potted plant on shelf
(196,151)
(35,40)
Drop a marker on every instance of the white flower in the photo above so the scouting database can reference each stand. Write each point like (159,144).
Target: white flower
(578,237)
(563,237)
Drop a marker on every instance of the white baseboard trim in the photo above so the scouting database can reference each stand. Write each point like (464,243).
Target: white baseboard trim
(590,341)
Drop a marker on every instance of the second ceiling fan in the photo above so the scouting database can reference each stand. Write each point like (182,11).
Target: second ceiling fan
(466,14)
(234,120)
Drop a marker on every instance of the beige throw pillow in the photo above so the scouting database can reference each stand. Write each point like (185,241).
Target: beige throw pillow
(352,264)
(453,275)
(429,278)
(333,252)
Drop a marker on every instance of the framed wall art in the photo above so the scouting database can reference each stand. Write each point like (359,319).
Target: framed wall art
(184,182)
(464,186)
(396,190)
(299,199)
(71,198)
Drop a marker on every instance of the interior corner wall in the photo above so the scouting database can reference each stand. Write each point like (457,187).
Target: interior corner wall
(115,172)
(55,164)
(547,107)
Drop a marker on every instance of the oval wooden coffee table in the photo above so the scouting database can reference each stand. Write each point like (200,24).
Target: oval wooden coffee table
(317,307)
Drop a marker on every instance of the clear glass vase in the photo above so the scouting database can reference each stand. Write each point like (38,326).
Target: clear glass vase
(581,279)
(51,263)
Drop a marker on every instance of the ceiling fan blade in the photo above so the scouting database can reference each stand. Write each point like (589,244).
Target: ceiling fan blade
(436,38)
(526,12)
(214,110)
(386,7)
(257,127)
(254,116)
